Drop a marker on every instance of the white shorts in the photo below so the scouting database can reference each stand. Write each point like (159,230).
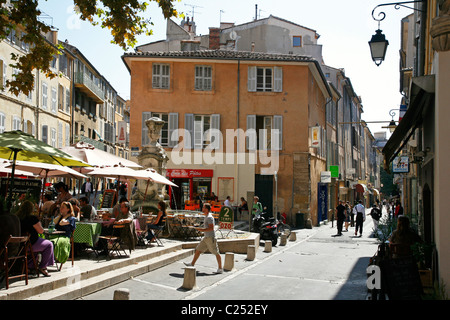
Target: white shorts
(209,243)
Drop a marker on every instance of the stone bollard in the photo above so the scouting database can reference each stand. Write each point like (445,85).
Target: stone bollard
(122,294)
(189,281)
(268,246)
(229,261)
(293,236)
(251,252)
(283,239)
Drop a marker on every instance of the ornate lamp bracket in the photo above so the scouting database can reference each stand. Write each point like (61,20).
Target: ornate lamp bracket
(397,5)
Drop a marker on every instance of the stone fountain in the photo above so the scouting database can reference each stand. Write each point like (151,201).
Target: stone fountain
(148,194)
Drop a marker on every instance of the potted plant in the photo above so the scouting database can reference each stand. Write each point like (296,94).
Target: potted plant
(423,253)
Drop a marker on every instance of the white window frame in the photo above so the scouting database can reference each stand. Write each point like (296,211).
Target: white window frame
(16,123)
(160,76)
(201,136)
(203,78)
(256,85)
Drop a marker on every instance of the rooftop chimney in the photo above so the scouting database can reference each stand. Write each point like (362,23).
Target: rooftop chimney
(214,38)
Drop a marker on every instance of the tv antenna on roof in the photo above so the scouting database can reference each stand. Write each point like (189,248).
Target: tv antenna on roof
(193,6)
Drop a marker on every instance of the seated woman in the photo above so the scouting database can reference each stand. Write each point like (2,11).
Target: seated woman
(243,206)
(65,221)
(30,224)
(159,221)
(403,237)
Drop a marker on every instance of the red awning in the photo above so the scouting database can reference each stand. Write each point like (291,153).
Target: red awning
(361,188)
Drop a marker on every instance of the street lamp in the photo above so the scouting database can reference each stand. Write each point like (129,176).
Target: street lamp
(378,46)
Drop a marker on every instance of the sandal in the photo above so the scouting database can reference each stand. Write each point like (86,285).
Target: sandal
(44,272)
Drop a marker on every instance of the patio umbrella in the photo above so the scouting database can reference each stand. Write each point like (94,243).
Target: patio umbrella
(118,171)
(45,170)
(153,175)
(4,169)
(96,157)
(17,145)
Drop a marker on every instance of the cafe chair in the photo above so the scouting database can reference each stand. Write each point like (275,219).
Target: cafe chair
(8,259)
(114,242)
(157,232)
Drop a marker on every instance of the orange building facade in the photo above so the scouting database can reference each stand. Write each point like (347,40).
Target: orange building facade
(249,116)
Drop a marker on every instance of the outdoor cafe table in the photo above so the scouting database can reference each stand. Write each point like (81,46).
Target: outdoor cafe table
(87,232)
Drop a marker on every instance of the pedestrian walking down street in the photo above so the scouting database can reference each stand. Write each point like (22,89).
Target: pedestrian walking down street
(376,215)
(340,214)
(360,213)
(209,240)
(348,213)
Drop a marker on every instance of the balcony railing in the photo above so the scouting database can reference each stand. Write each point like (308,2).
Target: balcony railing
(83,81)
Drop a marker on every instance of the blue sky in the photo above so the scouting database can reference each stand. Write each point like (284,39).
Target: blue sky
(345,27)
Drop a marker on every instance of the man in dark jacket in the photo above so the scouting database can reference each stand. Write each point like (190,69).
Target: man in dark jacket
(341,214)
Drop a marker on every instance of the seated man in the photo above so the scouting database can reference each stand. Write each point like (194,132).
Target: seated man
(128,233)
(87,211)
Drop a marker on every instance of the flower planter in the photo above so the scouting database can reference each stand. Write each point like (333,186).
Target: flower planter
(426,277)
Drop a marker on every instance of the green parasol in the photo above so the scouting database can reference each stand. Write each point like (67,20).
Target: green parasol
(17,145)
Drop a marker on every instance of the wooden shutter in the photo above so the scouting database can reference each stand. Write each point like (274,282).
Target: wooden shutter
(251,132)
(251,79)
(188,130)
(277,133)
(145,139)
(215,131)
(173,132)
(278,79)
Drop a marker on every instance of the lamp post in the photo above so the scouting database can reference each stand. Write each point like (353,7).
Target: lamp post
(378,44)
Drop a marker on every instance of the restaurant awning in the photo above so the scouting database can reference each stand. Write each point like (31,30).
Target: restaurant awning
(421,100)
(361,188)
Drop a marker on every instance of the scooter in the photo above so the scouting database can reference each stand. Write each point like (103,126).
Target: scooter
(267,228)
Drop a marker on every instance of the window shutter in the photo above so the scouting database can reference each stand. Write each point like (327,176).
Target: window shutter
(215,131)
(251,132)
(189,130)
(145,139)
(45,134)
(173,132)
(277,134)
(251,79)
(278,77)
(2,75)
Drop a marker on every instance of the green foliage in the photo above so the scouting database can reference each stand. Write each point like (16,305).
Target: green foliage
(122,17)
(386,226)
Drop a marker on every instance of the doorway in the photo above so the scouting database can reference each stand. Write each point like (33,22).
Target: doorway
(264,190)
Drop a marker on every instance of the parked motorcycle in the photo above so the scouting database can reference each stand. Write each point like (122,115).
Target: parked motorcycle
(267,228)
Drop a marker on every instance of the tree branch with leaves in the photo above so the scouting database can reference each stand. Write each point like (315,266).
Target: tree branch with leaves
(124,18)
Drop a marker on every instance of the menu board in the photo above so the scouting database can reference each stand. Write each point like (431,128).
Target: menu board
(109,198)
(31,187)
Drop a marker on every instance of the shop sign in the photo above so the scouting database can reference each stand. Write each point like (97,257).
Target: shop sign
(190,173)
(315,137)
(334,171)
(400,165)
(325,176)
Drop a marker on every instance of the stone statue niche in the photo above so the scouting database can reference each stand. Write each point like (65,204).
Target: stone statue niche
(152,156)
